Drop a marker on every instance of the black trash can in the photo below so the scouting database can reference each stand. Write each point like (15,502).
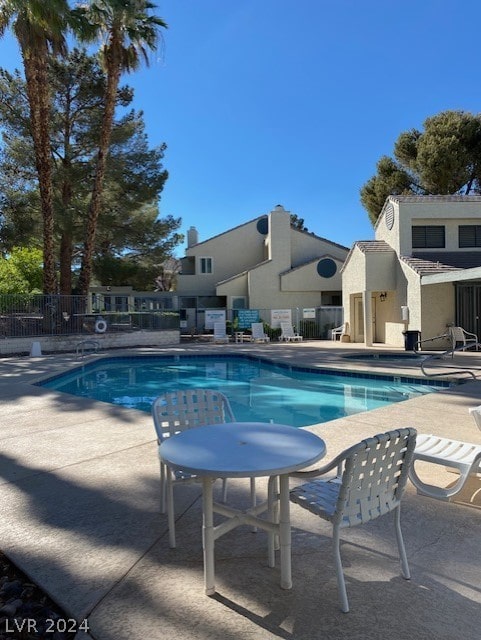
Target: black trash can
(411,340)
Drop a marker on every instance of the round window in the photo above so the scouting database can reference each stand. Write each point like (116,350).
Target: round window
(326,268)
(263,225)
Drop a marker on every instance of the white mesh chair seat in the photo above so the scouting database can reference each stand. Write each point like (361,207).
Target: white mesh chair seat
(371,478)
(465,457)
(175,412)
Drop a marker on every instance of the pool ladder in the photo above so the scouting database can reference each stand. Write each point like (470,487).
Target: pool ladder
(81,346)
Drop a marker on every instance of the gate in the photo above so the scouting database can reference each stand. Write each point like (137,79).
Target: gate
(468,306)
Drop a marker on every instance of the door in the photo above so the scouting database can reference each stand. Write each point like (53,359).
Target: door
(359,319)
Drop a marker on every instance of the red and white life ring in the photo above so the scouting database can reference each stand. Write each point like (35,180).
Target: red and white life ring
(100,325)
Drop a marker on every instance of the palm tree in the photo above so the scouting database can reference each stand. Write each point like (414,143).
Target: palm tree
(39,26)
(129,32)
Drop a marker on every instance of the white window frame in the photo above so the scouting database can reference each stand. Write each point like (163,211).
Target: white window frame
(210,262)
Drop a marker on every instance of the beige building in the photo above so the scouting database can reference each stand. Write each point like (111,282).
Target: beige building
(422,272)
(262,264)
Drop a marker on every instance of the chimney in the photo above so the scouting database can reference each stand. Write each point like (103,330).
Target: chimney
(192,237)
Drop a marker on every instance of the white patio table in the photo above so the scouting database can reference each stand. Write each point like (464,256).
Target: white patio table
(244,450)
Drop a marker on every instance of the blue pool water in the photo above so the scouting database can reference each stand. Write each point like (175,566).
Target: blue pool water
(258,390)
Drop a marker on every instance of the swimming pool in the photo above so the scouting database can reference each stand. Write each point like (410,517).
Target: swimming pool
(258,389)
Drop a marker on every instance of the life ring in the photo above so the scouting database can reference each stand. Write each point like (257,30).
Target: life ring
(100,325)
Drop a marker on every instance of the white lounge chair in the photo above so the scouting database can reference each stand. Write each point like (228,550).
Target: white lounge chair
(370,481)
(288,334)
(455,454)
(258,334)
(220,334)
(461,337)
(174,412)
(339,331)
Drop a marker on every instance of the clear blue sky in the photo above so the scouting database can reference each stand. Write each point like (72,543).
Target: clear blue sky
(293,102)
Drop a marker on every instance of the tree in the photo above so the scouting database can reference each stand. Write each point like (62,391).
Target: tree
(21,271)
(129,32)
(445,158)
(129,226)
(298,223)
(39,28)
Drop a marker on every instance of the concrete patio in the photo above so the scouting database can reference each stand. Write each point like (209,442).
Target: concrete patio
(80,515)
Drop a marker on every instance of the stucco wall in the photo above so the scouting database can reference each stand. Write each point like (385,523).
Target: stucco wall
(52,344)
(307,278)
(437,311)
(232,252)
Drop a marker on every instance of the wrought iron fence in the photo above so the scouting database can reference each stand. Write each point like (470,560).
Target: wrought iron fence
(30,315)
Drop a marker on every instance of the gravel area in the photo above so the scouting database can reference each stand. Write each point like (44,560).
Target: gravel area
(26,612)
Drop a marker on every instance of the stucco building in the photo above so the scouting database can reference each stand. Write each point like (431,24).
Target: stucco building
(422,272)
(262,264)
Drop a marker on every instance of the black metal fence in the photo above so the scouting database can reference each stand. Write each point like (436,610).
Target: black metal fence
(30,315)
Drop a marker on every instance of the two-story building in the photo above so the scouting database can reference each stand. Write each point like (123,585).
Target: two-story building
(422,272)
(262,264)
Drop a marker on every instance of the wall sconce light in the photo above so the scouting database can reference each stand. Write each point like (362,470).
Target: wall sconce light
(383,296)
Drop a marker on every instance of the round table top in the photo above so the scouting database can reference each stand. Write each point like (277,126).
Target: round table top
(242,449)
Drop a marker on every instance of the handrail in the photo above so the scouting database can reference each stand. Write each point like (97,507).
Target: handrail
(95,344)
(451,352)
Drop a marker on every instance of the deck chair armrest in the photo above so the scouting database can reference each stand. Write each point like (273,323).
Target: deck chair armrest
(336,463)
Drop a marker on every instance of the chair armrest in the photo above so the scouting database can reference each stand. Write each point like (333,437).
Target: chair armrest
(335,463)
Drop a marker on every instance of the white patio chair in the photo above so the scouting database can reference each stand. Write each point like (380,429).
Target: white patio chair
(339,331)
(175,412)
(220,334)
(461,337)
(288,334)
(258,334)
(370,481)
(464,457)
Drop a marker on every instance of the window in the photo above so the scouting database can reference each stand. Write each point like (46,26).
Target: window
(205,265)
(238,302)
(428,237)
(469,235)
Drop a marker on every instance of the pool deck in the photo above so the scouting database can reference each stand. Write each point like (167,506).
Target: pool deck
(80,515)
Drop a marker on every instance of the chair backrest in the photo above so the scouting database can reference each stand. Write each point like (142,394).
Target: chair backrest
(287,329)
(219,330)
(476,413)
(180,410)
(374,477)
(457,334)
(257,330)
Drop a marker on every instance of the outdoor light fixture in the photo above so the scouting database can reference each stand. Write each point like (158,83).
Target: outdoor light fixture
(383,296)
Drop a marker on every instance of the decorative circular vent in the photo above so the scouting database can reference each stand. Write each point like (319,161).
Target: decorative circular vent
(263,225)
(326,268)
(389,216)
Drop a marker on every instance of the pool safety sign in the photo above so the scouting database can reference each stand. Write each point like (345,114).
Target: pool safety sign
(280,315)
(212,316)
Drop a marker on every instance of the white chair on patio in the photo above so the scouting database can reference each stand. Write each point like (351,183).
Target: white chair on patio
(288,334)
(258,334)
(463,457)
(370,481)
(461,337)
(339,331)
(220,334)
(175,412)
